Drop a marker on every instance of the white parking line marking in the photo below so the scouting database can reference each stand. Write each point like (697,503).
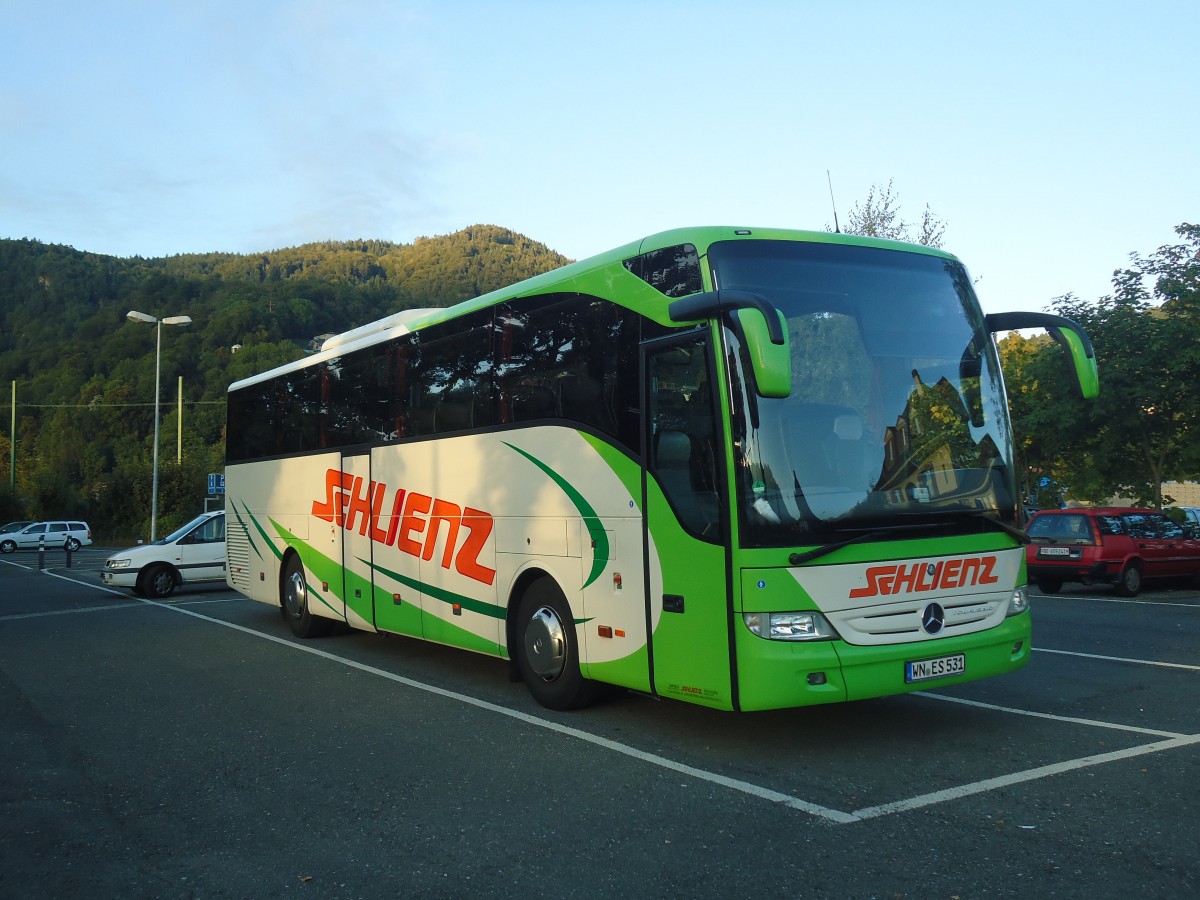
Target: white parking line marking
(1128,601)
(1139,662)
(64,612)
(990,784)
(839,817)
(1094,723)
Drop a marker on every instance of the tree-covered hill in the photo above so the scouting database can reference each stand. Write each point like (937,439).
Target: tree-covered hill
(84,374)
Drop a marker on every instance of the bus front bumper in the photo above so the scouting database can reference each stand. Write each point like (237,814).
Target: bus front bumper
(781,674)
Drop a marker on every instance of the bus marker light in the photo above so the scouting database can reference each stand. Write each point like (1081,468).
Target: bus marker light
(816,678)
(617,581)
(605,631)
(396,599)
(456,609)
(324,585)
(620,632)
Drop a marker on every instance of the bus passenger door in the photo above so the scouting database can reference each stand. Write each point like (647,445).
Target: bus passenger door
(357,553)
(395,595)
(690,612)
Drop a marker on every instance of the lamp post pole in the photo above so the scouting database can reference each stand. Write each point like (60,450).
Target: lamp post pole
(135,316)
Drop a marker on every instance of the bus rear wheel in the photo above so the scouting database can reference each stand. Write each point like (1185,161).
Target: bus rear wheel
(549,649)
(294,602)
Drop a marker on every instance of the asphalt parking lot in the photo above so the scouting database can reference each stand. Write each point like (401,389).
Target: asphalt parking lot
(193,748)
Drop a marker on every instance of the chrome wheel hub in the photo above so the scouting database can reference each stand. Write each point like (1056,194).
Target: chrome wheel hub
(546,644)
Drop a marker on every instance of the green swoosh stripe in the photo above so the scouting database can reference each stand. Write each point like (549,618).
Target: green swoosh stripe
(592,521)
(437,593)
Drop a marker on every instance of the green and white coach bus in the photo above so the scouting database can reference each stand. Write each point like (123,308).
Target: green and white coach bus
(747,468)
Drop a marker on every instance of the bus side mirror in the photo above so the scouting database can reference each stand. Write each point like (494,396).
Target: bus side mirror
(772,363)
(762,325)
(1067,332)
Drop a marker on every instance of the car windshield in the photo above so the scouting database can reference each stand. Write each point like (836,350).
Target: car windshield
(897,410)
(181,531)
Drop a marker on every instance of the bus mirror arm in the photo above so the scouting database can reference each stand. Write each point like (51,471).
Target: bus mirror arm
(1067,332)
(762,332)
(711,303)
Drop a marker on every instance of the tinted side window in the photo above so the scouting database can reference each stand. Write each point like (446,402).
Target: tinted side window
(1110,525)
(1139,526)
(675,271)
(570,357)
(1165,528)
(449,377)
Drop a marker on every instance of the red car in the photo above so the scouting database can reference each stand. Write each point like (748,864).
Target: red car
(1121,546)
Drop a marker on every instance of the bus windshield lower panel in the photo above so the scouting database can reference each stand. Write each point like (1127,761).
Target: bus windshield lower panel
(897,415)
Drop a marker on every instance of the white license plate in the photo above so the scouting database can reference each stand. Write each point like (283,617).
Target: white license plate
(924,669)
(1054,551)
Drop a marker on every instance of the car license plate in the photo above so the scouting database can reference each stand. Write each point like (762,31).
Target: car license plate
(1054,551)
(924,669)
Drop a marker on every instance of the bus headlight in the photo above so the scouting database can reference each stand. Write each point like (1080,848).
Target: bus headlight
(790,626)
(1019,601)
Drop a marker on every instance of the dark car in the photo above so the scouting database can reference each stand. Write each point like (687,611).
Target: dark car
(1121,546)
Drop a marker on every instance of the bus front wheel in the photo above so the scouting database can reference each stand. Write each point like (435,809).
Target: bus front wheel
(549,649)
(294,602)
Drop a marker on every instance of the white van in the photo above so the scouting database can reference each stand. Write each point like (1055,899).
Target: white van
(192,554)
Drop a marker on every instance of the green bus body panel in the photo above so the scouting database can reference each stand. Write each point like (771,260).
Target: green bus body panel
(691,649)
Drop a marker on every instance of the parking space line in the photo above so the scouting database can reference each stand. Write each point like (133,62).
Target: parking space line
(1139,662)
(65,612)
(991,784)
(1128,601)
(1033,714)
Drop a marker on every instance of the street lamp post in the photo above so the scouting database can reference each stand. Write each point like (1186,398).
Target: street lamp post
(135,316)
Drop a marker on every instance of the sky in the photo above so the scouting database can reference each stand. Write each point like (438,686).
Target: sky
(1053,139)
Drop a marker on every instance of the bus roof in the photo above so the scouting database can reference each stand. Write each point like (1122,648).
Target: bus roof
(408,320)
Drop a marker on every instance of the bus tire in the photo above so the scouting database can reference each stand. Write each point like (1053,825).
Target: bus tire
(293,601)
(549,649)
(1130,582)
(157,582)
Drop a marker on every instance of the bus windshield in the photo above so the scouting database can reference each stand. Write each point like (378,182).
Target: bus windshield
(897,410)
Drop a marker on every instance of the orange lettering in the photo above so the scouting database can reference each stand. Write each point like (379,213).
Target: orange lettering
(417,504)
(479,528)
(359,505)
(950,574)
(986,576)
(443,511)
(326,510)
(394,518)
(905,578)
(874,587)
(378,489)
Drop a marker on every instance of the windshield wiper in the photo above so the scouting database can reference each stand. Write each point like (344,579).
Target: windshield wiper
(797,559)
